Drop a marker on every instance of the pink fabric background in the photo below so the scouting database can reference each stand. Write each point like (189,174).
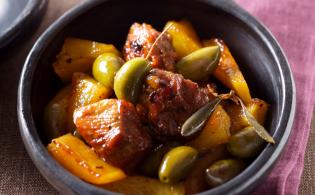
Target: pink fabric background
(293,24)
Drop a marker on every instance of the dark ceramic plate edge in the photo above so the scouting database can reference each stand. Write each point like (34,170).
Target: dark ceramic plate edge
(41,153)
(32,9)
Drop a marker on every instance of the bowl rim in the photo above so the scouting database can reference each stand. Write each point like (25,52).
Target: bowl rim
(67,183)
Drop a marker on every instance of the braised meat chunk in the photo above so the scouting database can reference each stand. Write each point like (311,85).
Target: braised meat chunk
(113,129)
(139,42)
(169,100)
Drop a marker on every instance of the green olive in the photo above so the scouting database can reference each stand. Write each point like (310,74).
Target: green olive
(223,170)
(129,79)
(177,163)
(105,68)
(55,114)
(151,165)
(246,143)
(196,121)
(199,64)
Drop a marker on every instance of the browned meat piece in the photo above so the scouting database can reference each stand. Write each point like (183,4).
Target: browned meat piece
(112,127)
(139,42)
(168,100)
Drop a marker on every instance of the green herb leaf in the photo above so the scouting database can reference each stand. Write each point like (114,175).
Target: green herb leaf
(260,130)
(196,122)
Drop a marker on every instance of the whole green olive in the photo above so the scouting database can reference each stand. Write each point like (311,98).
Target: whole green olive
(105,68)
(245,143)
(177,163)
(199,64)
(223,170)
(151,165)
(129,79)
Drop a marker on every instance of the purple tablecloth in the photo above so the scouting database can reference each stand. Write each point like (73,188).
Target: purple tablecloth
(293,23)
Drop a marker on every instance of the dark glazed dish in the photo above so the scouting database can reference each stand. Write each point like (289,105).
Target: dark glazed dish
(258,54)
(15,16)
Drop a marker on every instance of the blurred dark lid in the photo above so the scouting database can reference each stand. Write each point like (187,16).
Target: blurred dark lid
(15,16)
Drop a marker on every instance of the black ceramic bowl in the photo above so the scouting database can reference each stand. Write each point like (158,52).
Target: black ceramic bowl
(255,49)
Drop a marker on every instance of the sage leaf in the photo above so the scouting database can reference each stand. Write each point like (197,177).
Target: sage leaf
(196,122)
(260,130)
